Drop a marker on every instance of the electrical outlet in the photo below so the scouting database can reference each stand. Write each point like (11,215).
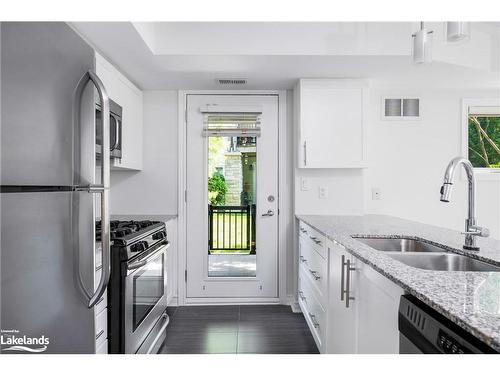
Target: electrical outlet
(376,194)
(323,192)
(304,184)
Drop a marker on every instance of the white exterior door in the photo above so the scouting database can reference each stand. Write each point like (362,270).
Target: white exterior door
(232,232)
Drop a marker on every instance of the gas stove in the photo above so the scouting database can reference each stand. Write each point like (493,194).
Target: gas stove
(130,238)
(137,289)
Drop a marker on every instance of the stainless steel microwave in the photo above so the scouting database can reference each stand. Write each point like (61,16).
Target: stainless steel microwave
(115,129)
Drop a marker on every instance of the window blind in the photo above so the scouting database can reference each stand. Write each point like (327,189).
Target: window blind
(484,111)
(232,124)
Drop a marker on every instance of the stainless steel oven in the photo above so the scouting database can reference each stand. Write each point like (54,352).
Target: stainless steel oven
(137,293)
(145,295)
(115,129)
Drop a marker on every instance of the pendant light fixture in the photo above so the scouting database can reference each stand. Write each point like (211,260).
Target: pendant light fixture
(457,31)
(422,45)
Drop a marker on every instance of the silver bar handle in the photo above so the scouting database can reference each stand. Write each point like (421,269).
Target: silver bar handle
(342,274)
(305,153)
(301,295)
(143,261)
(103,189)
(99,334)
(136,265)
(348,283)
(315,274)
(313,320)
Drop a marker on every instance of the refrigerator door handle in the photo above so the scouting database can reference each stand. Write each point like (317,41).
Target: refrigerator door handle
(103,189)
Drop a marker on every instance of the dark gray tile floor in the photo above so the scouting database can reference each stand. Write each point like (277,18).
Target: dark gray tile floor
(265,329)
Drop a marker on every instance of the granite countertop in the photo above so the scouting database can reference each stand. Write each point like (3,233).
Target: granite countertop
(137,217)
(470,299)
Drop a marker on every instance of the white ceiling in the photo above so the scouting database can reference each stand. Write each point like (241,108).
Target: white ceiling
(273,55)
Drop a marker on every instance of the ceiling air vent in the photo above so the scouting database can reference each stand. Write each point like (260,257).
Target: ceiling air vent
(401,109)
(231,81)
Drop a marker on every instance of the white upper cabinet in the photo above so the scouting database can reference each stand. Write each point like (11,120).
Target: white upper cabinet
(329,115)
(129,97)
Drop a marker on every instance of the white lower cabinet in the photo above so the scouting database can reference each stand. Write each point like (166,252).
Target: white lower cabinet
(342,306)
(313,310)
(357,310)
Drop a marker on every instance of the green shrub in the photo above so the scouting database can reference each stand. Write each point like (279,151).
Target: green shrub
(217,189)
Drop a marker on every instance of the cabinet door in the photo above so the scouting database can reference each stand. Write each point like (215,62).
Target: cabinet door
(330,125)
(378,303)
(341,318)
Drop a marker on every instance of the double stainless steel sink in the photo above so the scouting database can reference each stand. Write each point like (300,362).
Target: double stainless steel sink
(420,254)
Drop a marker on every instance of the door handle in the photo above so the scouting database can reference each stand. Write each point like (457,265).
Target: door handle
(103,189)
(268,213)
(117,134)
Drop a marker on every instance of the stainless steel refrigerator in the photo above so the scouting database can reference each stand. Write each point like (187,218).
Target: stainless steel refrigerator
(53,189)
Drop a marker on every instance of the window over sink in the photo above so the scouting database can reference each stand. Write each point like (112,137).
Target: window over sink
(481,122)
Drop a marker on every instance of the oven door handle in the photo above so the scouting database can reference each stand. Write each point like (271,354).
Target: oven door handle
(143,261)
(135,265)
(117,133)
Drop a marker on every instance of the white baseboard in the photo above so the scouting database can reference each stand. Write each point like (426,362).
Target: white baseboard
(296,308)
(293,304)
(232,301)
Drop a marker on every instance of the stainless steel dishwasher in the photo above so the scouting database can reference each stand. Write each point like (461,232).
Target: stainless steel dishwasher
(422,330)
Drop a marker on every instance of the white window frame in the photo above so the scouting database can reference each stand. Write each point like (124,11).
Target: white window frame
(481,173)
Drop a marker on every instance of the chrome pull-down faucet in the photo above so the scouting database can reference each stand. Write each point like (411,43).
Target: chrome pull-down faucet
(472,230)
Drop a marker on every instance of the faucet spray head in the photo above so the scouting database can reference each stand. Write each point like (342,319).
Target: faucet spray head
(446,191)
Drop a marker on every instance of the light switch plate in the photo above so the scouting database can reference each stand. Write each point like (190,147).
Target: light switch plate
(304,184)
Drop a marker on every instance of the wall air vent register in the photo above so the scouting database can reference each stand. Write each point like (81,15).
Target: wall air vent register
(401,109)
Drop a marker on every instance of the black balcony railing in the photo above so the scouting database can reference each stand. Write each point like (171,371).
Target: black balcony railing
(231,228)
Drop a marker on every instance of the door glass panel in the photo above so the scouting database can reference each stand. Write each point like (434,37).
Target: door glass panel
(232,192)
(148,288)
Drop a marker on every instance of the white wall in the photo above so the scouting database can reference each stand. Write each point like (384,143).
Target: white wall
(407,160)
(154,189)
(344,187)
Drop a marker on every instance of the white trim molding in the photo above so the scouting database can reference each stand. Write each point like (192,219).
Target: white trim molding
(481,173)
(284,213)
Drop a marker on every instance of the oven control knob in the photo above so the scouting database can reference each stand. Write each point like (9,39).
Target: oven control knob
(139,246)
(160,235)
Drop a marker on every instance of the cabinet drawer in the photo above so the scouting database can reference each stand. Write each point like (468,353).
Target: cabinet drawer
(102,348)
(102,304)
(101,327)
(315,267)
(314,238)
(313,311)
